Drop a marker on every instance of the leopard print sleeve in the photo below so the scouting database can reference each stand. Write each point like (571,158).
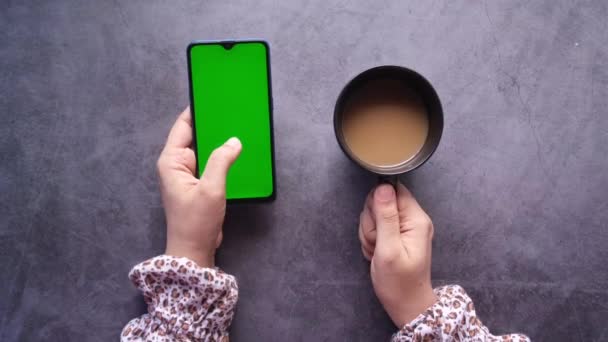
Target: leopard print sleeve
(185,302)
(452,318)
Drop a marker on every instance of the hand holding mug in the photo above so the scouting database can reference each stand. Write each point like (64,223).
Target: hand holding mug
(194,208)
(396,236)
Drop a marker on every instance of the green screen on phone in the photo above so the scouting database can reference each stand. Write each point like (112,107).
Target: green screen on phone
(230,97)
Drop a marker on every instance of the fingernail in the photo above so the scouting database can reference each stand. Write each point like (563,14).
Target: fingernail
(233,142)
(385,193)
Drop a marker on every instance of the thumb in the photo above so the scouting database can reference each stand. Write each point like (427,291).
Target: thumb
(386,214)
(219,163)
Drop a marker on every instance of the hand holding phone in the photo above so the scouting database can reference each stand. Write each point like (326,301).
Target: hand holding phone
(194,208)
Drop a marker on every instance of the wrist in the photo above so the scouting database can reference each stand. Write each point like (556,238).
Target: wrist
(201,257)
(419,299)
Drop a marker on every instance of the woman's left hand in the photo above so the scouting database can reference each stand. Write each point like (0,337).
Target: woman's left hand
(194,208)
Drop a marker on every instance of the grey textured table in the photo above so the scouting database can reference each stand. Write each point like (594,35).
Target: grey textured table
(517,190)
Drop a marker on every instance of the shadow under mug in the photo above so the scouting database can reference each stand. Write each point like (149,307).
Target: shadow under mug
(433,108)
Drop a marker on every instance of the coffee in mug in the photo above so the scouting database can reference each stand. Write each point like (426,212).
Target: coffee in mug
(385,123)
(388,120)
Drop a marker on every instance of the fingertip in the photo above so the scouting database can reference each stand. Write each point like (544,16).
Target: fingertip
(403,191)
(384,193)
(367,254)
(234,142)
(235,146)
(180,134)
(220,161)
(406,200)
(186,115)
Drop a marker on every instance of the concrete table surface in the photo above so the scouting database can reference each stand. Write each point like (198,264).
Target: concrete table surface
(517,190)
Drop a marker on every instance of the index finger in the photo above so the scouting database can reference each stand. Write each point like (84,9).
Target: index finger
(367,227)
(367,218)
(406,202)
(181,133)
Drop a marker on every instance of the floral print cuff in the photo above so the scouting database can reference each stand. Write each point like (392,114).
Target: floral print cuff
(451,318)
(185,301)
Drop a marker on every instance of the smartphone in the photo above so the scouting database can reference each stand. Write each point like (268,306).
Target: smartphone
(231,96)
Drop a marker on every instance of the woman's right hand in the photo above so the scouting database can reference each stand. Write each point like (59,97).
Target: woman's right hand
(396,236)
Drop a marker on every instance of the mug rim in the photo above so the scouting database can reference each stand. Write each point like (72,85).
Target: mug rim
(402,167)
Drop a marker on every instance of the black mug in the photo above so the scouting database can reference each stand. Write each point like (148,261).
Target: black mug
(430,99)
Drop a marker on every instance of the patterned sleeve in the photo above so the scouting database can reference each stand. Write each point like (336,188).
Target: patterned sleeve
(452,318)
(185,302)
